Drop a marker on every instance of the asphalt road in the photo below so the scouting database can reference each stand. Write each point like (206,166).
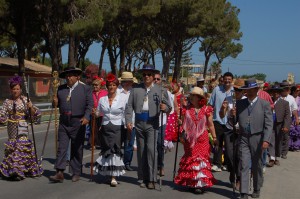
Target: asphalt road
(275,185)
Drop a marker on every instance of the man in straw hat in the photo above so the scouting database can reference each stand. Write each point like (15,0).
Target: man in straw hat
(146,100)
(285,95)
(255,127)
(230,136)
(124,90)
(75,103)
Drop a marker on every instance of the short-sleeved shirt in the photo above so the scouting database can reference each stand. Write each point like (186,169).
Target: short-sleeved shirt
(292,103)
(216,100)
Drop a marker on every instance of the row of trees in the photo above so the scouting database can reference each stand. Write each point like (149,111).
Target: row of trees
(131,32)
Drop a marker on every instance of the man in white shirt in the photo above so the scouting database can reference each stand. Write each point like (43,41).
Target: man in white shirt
(124,89)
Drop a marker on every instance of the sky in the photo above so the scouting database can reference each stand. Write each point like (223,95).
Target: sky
(271,41)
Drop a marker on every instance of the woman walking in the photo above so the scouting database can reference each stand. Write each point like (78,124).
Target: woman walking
(19,159)
(112,108)
(194,167)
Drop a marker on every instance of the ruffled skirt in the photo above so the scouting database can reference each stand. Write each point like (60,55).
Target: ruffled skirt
(110,166)
(194,167)
(19,159)
(294,143)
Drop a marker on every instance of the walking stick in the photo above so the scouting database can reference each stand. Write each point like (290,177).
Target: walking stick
(55,85)
(31,122)
(93,144)
(161,142)
(46,136)
(178,138)
(233,148)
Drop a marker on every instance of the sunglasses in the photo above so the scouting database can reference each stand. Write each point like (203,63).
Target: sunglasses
(147,74)
(157,79)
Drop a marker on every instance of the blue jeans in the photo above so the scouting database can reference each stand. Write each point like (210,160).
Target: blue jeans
(128,148)
(161,147)
(264,157)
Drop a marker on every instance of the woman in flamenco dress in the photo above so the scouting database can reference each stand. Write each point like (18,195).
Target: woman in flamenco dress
(172,121)
(194,167)
(19,159)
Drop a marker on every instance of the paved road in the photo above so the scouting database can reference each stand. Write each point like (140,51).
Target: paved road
(280,182)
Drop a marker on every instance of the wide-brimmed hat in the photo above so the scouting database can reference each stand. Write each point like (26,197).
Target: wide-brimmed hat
(126,76)
(197,91)
(238,83)
(67,70)
(135,80)
(148,67)
(200,78)
(285,85)
(275,88)
(249,83)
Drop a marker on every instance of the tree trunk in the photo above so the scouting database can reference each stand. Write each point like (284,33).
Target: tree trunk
(72,62)
(20,32)
(104,46)
(112,60)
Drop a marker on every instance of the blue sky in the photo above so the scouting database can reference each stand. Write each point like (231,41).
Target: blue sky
(271,40)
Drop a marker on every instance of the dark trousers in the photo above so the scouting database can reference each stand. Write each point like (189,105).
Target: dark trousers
(128,148)
(220,129)
(231,151)
(75,132)
(161,146)
(275,147)
(285,143)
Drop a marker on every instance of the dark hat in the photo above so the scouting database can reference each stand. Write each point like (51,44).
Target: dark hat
(149,67)
(284,85)
(276,87)
(250,83)
(67,70)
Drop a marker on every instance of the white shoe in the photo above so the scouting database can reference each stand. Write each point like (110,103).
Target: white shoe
(113,182)
(215,168)
(224,168)
(264,169)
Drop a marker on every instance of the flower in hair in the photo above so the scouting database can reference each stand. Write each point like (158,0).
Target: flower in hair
(15,80)
(110,77)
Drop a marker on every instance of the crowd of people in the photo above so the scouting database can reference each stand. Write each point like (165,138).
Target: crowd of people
(246,127)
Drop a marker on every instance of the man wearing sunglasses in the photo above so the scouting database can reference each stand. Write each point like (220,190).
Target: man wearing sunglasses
(147,100)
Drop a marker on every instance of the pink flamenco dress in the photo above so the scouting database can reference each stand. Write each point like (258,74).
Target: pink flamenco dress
(194,167)
(19,159)
(172,126)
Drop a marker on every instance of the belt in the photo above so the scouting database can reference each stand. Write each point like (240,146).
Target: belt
(143,116)
(67,113)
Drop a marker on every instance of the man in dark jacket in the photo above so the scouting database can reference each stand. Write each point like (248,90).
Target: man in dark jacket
(75,103)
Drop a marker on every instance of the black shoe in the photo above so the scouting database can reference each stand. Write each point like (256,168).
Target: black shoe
(255,194)
(198,191)
(128,168)
(244,196)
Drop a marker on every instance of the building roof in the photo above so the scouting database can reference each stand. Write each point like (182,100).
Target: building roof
(12,65)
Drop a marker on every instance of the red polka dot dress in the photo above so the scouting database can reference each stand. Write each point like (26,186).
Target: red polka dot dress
(194,167)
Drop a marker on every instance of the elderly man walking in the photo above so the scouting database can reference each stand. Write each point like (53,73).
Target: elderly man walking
(146,100)
(255,125)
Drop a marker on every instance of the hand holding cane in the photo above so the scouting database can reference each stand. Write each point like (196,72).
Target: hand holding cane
(31,122)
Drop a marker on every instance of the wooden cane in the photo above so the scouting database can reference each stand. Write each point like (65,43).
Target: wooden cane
(55,85)
(178,138)
(31,123)
(93,144)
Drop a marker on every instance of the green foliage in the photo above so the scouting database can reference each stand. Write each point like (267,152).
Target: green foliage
(258,76)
